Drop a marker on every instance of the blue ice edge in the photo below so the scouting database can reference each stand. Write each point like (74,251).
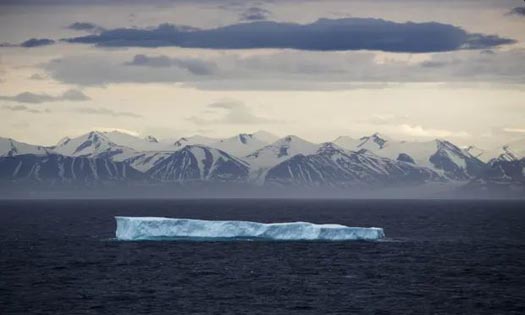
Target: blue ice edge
(159,228)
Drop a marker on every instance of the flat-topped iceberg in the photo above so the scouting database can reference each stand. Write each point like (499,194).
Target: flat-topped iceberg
(155,228)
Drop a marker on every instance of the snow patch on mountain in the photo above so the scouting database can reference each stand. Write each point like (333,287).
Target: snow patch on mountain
(440,155)
(57,168)
(10,147)
(193,140)
(240,145)
(347,142)
(279,151)
(333,166)
(199,163)
(95,144)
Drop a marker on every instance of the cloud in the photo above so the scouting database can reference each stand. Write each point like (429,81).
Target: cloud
(36,98)
(514,130)
(419,131)
(85,26)
(255,14)
(73,95)
(518,11)
(322,35)
(433,64)
(37,42)
(194,66)
(106,112)
(290,70)
(37,76)
(23,108)
(232,112)
(384,119)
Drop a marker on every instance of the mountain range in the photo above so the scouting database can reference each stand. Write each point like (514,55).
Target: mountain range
(262,160)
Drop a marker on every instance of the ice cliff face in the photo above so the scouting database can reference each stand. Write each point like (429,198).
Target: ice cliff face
(151,228)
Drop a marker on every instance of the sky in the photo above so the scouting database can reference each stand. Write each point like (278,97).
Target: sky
(412,70)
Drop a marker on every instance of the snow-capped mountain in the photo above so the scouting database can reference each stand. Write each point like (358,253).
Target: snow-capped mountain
(57,168)
(506,170)
(347,142)
(143,161)
(478,153)
(94,144)
(333,166)
(279,151)
(193,140)
(240,145)
(248,159)
(440,155)
(373,143)
(265,136)
(511,151)
(148,143)
(10,147)
(199,163)
(501,177)
(151,139)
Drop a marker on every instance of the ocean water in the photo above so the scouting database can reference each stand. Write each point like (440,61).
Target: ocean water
(440,257)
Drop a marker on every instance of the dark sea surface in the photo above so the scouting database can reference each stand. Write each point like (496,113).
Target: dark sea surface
(441,257)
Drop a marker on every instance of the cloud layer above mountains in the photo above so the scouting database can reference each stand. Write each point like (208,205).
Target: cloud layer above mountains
(288,70)
(37,98)
(451,67)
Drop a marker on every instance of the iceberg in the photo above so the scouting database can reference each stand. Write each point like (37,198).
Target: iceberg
(158,228)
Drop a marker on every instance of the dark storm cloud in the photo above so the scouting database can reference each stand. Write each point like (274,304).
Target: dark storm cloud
(518,11)
(322,35)
(194,66)
(85,26)
(255,14)
(37,42)
(82,26)
(37,98)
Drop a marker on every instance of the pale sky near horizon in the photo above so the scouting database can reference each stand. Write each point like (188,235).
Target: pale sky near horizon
(105,78)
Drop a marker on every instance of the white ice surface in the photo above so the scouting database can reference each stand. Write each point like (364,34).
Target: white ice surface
(155,228)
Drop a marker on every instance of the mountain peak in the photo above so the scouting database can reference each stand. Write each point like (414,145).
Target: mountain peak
(265,136)
(330,148)
(290,138)
(377,135)
(196,139)
(376,138)
(151,139)
(343,138)
(63,141)
(244,137)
